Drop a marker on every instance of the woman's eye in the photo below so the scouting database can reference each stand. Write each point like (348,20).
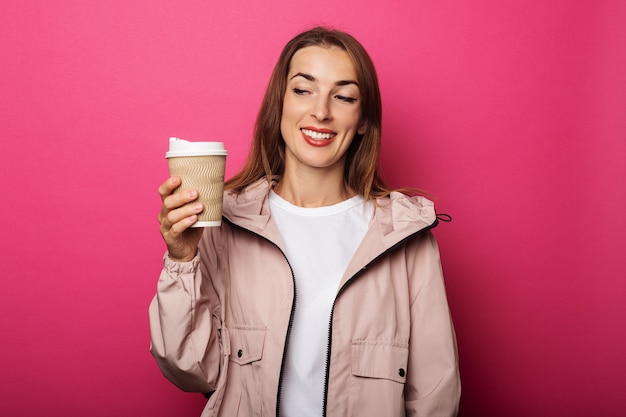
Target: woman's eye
(346,99)
(300,91)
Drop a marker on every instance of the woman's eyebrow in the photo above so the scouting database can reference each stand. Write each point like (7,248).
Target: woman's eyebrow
(346,82)
(305,76)
(311,78)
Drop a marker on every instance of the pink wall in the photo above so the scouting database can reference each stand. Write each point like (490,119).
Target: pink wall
(513,114)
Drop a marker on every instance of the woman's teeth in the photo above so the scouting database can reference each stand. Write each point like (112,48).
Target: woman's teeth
(317,135)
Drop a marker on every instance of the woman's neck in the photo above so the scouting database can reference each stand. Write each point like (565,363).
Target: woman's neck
(313,189)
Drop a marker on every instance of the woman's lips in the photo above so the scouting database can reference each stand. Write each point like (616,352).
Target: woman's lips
(318,137)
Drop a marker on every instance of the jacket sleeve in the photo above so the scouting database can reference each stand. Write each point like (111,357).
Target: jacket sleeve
(184,327)
(433,385)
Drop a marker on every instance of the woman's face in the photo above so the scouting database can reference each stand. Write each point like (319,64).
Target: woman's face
(322,108)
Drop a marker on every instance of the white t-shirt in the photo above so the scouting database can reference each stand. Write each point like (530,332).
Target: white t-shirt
(319,242)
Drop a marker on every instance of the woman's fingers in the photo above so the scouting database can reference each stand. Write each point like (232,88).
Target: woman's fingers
(170,217)
(178,212)
(181,239)
(168,187)
(172,202)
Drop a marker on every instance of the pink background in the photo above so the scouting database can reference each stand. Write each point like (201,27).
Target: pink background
(512,114)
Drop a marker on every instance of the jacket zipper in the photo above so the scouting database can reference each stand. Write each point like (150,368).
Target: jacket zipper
(291,316)
(348,282)
(289,326)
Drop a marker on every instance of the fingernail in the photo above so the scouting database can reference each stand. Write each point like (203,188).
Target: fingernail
(191,194)
(198,207)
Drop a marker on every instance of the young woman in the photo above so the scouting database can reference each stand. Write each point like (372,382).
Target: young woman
(322,293)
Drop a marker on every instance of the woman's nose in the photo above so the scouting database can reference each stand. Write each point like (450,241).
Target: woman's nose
(321,110)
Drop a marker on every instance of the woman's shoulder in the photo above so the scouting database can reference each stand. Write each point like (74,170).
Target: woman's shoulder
(253,194)
(399,214)
(398,200)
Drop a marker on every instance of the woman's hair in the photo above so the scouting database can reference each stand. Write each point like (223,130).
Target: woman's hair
(267,155)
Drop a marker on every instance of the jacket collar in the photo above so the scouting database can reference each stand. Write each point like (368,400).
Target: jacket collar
(395,218)
(249,208)
(399,216)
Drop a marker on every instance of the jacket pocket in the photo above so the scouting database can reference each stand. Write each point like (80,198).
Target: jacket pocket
(380,359)
(244,389)
(246,344)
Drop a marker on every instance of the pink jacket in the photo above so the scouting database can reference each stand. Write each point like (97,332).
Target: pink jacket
(219,324)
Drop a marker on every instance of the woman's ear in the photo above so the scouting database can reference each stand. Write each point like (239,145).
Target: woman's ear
(362,129)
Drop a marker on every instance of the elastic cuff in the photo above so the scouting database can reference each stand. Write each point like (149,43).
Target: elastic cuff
(178,267)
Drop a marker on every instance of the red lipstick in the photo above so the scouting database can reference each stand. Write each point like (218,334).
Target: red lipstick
(329,136)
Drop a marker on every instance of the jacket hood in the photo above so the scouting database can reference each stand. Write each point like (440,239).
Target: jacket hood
(395,217)
(249,207)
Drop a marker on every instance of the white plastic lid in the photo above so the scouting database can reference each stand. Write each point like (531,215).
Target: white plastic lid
(181,147)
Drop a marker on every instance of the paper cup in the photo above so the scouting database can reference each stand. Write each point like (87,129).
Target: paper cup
(201,167)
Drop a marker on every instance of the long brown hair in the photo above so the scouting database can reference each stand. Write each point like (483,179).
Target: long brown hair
(267,155)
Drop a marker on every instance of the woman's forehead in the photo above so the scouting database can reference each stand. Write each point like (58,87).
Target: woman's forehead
(323,64)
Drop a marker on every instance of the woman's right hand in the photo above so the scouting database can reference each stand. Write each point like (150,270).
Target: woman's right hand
(176,218)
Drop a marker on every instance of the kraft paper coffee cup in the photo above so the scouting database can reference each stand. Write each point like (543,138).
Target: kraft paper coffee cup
(201,166)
